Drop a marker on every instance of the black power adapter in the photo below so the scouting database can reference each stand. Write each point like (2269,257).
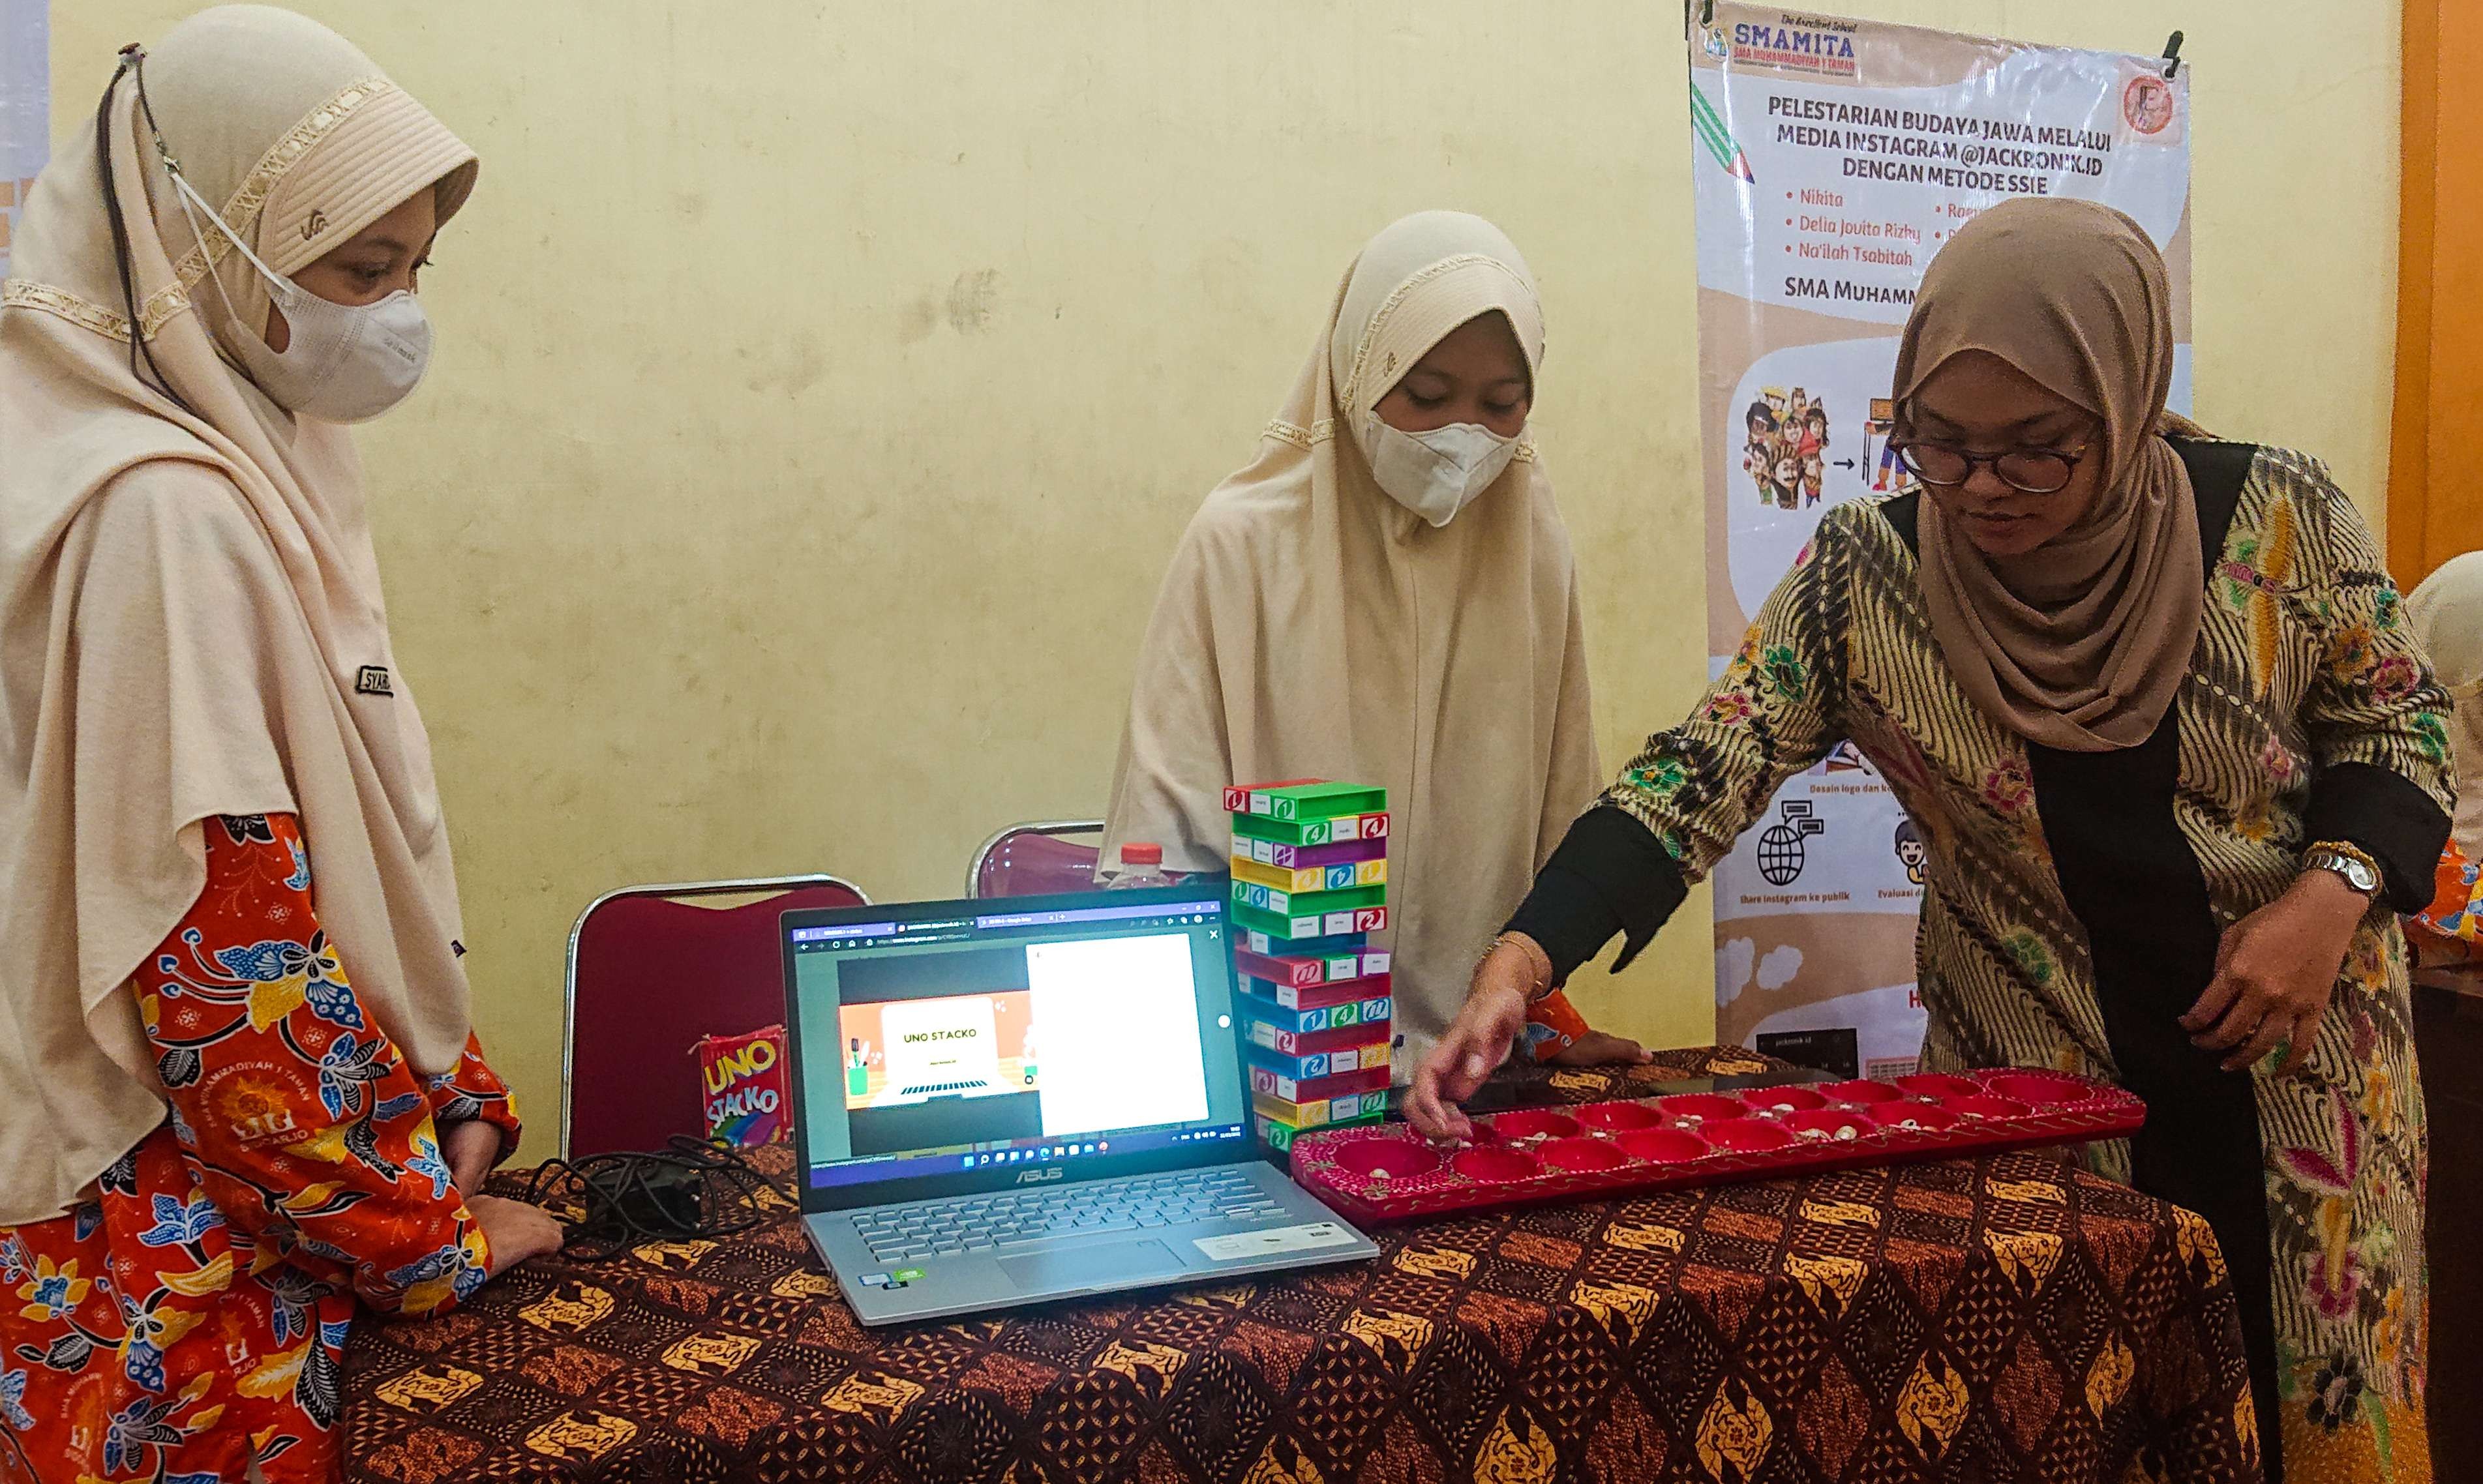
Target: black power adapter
(687,1190)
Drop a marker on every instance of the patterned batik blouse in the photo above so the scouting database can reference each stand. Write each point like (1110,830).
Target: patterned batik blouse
(2074,902)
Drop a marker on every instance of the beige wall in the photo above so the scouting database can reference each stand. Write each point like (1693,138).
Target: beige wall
(822,387)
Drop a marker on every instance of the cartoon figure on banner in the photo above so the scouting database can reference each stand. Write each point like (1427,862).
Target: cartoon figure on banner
(1883,425)
(1814,453)
(1784,481)
(1785,447)
(1759,454)
(1909,850)
(1782,855)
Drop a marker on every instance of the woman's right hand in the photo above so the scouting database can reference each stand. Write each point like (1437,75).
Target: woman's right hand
(514,1231)
(1475,1043)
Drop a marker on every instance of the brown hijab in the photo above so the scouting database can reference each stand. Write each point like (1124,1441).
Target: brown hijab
(2081,642)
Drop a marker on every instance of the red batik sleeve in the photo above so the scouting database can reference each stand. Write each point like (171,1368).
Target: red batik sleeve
(1552,1025)
(471,1092)
(2447,931)
(306,1126)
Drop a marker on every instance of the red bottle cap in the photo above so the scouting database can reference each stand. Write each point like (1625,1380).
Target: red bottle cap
(1136,853)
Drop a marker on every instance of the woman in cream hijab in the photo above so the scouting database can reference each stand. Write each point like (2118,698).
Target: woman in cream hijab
(235,1101)
(2154,710)
(2448,614)
(2446,938)
(1387,595)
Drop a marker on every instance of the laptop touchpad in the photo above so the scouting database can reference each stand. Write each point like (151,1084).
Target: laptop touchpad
(1114,1264)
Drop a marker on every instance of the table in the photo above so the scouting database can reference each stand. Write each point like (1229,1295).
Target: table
(2000,1319)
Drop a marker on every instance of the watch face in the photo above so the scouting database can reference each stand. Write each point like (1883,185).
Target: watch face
(2357,875)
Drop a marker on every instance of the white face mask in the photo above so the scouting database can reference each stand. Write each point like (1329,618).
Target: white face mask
(1438,473)
(344,362)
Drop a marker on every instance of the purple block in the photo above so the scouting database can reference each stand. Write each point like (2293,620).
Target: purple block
(1292,858)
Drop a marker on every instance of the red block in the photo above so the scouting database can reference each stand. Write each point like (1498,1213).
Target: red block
(1373,1079)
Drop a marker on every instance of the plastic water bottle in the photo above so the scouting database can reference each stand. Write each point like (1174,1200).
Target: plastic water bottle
(1141,867)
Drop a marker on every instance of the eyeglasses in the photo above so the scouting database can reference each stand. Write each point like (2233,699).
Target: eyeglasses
(2026,470)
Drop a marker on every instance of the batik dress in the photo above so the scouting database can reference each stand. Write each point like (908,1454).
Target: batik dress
(2074,902)
(192,1315)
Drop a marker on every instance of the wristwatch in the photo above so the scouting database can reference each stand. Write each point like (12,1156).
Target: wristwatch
(2354,867)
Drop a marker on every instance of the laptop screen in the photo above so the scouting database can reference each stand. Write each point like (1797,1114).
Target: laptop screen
(960,1039)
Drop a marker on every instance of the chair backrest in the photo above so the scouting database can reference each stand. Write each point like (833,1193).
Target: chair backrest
(651,971)
(1037,859)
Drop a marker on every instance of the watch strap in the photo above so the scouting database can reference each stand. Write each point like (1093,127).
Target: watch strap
(2336,855)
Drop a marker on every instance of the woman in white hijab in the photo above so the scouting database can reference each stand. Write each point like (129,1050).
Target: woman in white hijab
(1387,595)
(2448,614)
(213,1138)
(2447,940)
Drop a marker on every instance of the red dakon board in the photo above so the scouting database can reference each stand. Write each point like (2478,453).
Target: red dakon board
(1601,1149)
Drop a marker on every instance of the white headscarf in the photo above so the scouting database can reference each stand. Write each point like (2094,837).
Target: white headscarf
(2446,611)
(1313,626)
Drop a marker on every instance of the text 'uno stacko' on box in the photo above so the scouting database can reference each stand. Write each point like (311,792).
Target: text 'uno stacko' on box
(1310,885)
(743,1079)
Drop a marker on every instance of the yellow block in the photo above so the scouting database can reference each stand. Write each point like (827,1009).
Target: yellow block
(1309,878)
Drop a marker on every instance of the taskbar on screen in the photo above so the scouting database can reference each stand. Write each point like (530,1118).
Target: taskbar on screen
(950,1161)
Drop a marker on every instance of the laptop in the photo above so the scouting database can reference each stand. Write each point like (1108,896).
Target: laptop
(1010,1102)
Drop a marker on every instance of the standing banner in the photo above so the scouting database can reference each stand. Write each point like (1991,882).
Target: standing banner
(1832,158)
(25,107)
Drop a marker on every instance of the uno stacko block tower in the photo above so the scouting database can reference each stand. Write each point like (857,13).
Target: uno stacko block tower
(1310,886)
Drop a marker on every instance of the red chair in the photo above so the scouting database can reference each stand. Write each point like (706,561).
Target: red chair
(652,969)
(1037,859)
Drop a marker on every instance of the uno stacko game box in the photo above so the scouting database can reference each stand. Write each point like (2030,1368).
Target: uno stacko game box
(748,1103)
(1310,886)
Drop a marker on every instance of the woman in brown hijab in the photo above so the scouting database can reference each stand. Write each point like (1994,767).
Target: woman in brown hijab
(2151,701)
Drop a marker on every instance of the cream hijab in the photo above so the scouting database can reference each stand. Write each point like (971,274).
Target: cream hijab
(1311,625)
(193,648)
(2446,610)
(2081,642)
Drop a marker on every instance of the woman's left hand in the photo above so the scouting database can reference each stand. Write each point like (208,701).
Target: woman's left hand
(2275,970)
(471,1150)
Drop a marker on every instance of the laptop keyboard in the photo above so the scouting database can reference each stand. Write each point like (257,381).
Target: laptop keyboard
(1010,1219)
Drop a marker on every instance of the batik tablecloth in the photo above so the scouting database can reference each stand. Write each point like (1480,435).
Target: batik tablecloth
(1996,1319)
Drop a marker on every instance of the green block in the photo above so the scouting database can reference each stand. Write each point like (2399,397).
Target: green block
(1312,832)
(1309,927)
(1317,800)
(1298,904)
(1280,1136)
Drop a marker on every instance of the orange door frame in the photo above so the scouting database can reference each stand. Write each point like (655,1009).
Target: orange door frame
(2436,449)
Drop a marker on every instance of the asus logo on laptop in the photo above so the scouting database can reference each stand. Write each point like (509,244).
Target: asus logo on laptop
(1038,1176)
